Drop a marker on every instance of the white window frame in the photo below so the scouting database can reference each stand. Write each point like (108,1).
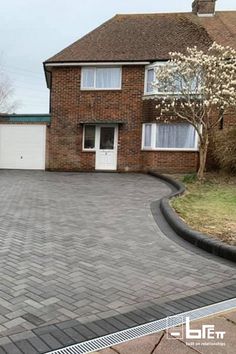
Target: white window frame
(83,88)
(148,67)
(96,132)
(153,141)
(156,92)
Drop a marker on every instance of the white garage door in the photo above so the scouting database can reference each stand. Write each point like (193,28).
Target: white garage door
(22,147)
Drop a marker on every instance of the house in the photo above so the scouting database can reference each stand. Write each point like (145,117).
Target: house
(99,117)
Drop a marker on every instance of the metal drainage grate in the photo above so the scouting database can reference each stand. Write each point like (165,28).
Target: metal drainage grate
(146,329)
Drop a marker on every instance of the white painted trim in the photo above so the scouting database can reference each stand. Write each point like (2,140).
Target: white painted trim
(206,15)
(115,63)
(82,88)
(153,141)
(44,146)
(145,81)
(148,67)
(169,149)
(99,89)
(153,133)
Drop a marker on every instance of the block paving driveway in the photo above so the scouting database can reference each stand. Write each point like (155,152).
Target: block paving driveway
(85,246)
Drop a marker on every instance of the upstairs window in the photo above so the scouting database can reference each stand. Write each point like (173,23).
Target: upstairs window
(150,77)
(177,86)
(149,80)
(101,78)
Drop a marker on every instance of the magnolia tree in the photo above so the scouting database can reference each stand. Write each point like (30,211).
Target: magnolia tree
(197,87)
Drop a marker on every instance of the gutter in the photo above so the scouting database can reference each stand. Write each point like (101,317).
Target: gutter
(95,63)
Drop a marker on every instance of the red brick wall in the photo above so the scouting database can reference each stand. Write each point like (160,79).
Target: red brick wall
(70,107)
(170,161)
(230,118)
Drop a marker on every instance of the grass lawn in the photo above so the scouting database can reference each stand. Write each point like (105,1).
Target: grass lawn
(210,207)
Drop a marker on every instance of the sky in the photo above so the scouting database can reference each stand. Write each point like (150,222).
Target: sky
(31,31)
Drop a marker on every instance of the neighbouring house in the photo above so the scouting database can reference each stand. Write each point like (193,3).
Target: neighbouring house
(99,117)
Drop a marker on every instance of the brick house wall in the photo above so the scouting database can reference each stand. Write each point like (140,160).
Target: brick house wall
(170,161)
(71,107)
(230,118)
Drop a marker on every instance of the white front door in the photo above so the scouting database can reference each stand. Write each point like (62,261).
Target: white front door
(106,149)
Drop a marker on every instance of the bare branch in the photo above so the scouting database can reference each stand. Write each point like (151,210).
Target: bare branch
(7,104)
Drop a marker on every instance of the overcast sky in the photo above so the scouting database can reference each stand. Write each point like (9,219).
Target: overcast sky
(33,30)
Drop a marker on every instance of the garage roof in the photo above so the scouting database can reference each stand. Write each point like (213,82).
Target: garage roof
(25,118)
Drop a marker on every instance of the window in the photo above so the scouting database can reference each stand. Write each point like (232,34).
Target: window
(169,136)
(148,135)
(89,137)
(107,138)
(150,79)
(175,87)
(101,78)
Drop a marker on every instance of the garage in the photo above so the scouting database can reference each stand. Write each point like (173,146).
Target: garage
(22,146)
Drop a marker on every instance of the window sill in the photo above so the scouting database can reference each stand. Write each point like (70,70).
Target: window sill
(146,94)
(88,150)
(100,89)
(160,94)
(170,149)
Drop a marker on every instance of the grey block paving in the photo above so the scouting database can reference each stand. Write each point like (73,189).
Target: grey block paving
(82,247)
(38,344)
(11,348)
(54,337)
(52,342)
(26,347)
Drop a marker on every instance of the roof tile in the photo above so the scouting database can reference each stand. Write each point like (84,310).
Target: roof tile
(150,37)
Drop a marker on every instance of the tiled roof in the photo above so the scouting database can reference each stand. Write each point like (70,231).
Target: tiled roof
(150,37)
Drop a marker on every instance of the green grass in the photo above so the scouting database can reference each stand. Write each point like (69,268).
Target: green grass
(210,207)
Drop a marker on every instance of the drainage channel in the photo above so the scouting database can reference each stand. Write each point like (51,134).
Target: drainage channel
(145,329)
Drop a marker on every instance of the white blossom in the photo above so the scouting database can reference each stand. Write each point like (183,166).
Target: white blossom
(194,85)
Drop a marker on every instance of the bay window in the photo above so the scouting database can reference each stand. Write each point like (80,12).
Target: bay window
(176,86)
(148,135)
(150,77)
(149,80)
(101,78)
(169,136)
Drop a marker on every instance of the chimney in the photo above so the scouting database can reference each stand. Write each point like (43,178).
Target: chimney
(204,7)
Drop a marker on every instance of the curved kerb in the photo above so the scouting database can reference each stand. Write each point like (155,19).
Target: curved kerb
(198,239)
